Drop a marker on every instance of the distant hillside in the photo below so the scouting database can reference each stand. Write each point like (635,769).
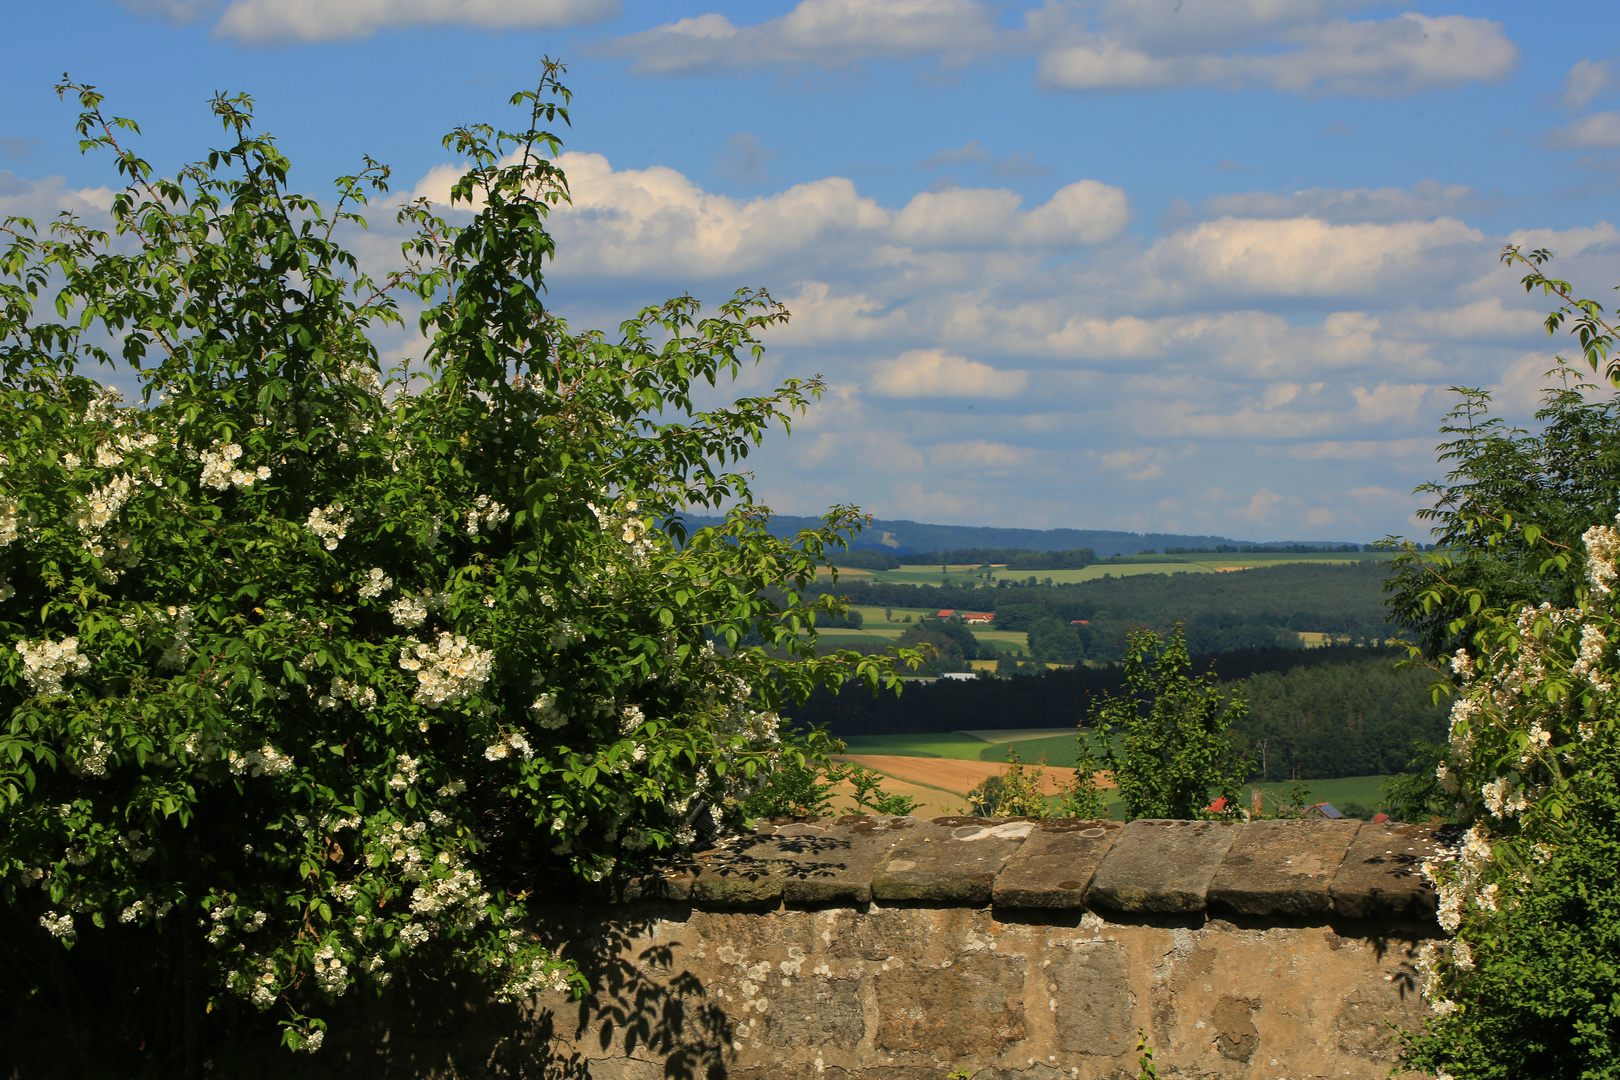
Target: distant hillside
(912,537)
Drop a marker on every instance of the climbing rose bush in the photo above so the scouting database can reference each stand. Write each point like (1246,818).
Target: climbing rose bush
(1530,894)
(310,664)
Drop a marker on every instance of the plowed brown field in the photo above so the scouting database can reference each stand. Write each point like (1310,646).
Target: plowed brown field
(957,776)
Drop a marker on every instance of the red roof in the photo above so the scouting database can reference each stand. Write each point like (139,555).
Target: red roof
(945,613)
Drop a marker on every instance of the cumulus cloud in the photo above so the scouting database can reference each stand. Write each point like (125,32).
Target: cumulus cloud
(1596,131)
(281,22)
(961,217)
(1294,46)
(1304,256)
(634,221)
(1014,165)
(1374,58)
(1267,334)
(1488,319)
(41,200)
(18,149)
(826,33)
(744,159)
(935,373)
(1425,199)
(1082,213)
(974,454)
(1585,81)
(656,221)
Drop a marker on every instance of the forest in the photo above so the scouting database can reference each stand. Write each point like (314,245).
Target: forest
(1313,713)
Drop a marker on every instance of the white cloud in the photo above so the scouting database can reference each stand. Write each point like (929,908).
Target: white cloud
(1585,81)
(1389,401)
(1303,256)
(960,217)
(1401,55)
(936,373)
(1294,46)
(974,455)
(41,200)
(828,33)
(1261,506)
(1484,319)
(1567,242)
(279,22)
(1360,449)
(1272,350)
(1425,199)
(1078,214)
(1597,131)
(656,221)
(744,160)
(1137,466)
(1083,213)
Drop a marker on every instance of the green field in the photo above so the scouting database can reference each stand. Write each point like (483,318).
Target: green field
(878,633)
(1183,564)
(950,745)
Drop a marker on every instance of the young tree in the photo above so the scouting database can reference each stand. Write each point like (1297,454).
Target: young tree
(1173,754)
(309,664)
(1081,797)
(1561,479)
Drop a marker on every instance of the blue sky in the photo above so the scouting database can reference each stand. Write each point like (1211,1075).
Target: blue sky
(1182,265)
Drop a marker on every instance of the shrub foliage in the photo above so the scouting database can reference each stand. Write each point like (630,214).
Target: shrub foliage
(309,663)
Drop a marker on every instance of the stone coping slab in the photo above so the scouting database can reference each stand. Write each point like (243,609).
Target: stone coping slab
(1282,867)
(1382,874)
(1162,867)
(950,860)
(804,862)
(1278,869)
(1054,867)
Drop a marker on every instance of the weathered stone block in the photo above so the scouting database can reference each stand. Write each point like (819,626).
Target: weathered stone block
(878,935)
(1055,865)
(1092,1000)
(1382,875)
(810,1013)
(951,861)
(1162,866)
(973,1006)
(1282,867)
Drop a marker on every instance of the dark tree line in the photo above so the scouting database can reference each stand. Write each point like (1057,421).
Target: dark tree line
(1320,713)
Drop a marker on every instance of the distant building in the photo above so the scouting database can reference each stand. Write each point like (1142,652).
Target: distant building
(1079,622)
(1323,809)
(978,617)
(962,676)
(945,613)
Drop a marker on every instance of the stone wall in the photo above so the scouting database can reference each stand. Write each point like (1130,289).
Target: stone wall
(901,949)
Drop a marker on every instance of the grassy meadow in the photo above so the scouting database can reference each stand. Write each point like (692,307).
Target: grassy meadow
(876,632)
(972,574)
